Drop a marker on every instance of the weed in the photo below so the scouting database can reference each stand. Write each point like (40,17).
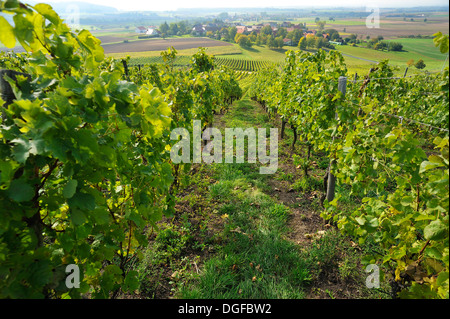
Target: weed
(307,184)
(170,242)
(285,176)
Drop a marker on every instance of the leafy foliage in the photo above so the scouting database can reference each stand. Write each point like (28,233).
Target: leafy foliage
(85,155)
(399,169)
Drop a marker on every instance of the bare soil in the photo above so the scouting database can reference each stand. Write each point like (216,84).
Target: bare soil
(305,226)
(396,29)
(162,44)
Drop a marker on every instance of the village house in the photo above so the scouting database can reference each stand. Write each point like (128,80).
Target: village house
(255,28)
(140,30)
(241,28)
(287,42)
(211,27)
(294,27)
(153,32)
(198,29)
(272,24)
(309,32)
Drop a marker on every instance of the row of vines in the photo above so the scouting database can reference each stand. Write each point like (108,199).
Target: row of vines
(181,60)
(242,64)
(184,60)
(85,146)
(388,146)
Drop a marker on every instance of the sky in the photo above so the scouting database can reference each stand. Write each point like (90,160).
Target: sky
(169,5)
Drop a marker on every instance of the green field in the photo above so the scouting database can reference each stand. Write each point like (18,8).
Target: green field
(257,53)
(412,49)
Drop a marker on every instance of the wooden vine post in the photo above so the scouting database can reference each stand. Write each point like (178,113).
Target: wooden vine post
(331,180)
(125,66)
(6,92)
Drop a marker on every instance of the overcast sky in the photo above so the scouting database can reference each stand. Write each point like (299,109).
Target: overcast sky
(162,5)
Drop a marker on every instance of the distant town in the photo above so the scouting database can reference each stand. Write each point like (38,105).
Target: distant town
(273,34)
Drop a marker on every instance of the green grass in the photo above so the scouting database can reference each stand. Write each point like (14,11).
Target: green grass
(425,47)
(220,50)
(262,53)
(413,49)
(256,262)
(247,253)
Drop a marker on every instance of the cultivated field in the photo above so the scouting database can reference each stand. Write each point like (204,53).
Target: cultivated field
(161,45)
(414,49)
(390,28)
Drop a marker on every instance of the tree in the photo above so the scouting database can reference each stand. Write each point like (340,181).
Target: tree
(310,41)
(243,41)
(420,64)
(232,32)
(164,28)
(182,27)
(302,43)
(267,30)
(258,40)
(173,28)
(225,34)
(237,36)
(279,42)
(410,62)
(295,35)
(321,25)
(282,32)
(395,46)
(223,15)
(333,34)
(319,42)
(441,40)
(380,46)
(271,42)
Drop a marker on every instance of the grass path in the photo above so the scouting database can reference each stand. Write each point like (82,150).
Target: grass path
(238,234)
(275,243)
(256,260)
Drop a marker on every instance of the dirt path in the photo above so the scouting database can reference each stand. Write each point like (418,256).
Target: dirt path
(238,234)
(306,227)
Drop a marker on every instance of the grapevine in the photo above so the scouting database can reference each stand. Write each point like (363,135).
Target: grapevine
(398,169)
(85,155)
